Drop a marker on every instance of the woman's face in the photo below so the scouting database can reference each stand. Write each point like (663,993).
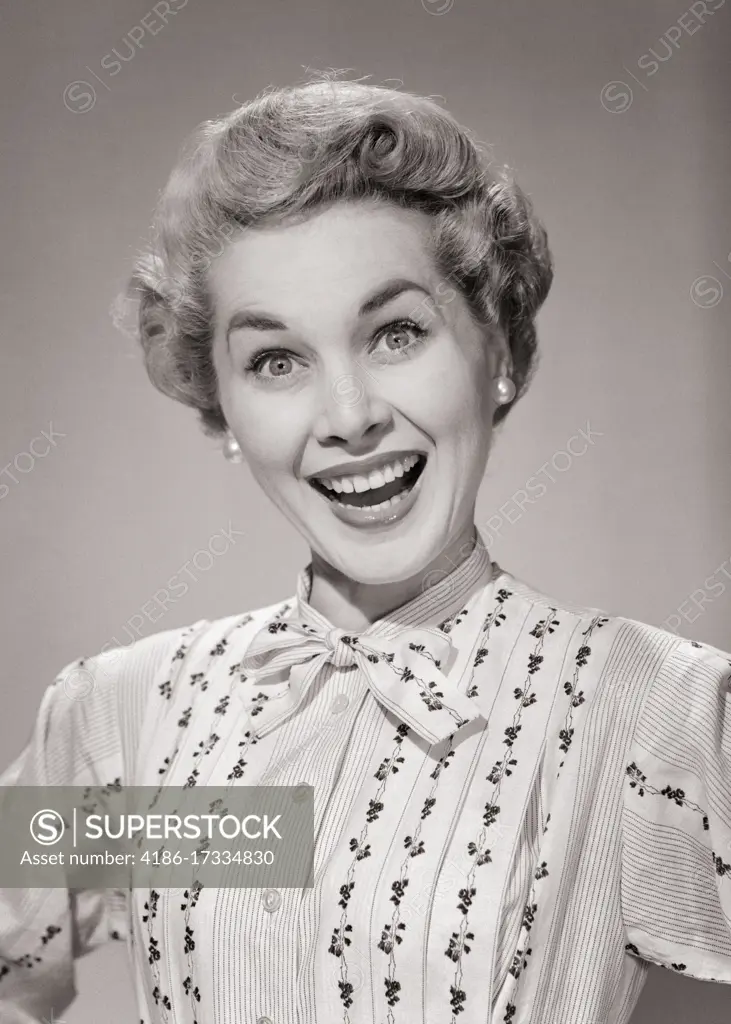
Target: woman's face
(357,384)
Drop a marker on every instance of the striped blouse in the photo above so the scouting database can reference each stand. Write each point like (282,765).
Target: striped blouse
(513,816)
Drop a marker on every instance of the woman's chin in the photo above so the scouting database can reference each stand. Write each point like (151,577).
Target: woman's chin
(375,546)
(380,564)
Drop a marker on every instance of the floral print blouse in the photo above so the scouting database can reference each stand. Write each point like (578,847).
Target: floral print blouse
(518,805)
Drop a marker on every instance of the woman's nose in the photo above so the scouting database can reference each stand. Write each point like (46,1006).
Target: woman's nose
(351,411)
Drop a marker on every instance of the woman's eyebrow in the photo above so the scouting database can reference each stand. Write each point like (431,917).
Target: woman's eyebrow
(244,319)
(247,319)
(386,293)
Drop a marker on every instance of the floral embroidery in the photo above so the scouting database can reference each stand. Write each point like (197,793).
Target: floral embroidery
(199,677)
(721,867)
(258,703)
(430,695)
(530,909)
(396,936)
(458,945)
(238,769)
(30,959)
(639,782)
(162,1000)
(391,932)
(631,948)
(222,706)
(360,851)
(457,999)
(448,624)
(204,748)
(576,696)
(478,850)
(165,688)
(494,620)
(519,962)
(192,894)
(340,938)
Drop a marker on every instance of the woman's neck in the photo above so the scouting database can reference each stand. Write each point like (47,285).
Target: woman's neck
(352,605)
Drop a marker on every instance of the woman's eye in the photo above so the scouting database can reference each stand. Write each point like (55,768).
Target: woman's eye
(392,342)
(271,365)
(401,336)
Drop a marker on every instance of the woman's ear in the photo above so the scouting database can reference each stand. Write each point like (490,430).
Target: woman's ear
(501,358)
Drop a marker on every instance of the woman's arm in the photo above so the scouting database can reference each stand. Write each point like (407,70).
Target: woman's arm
(84,734)
(676,850)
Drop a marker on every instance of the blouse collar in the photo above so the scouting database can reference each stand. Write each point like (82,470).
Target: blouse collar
(443,599)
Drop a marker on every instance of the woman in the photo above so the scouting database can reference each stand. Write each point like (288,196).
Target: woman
(518,804)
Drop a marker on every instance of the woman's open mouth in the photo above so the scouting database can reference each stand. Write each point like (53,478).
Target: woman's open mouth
(379,490)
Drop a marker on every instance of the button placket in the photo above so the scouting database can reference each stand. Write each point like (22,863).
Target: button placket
(299,792)
(340,703)
(272,899)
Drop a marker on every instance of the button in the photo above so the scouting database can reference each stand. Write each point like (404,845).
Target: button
(339,704)
(300,791)
(265,1020)
(271,898)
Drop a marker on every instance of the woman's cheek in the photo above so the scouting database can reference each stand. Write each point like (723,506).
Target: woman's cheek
(445,398)
(270,443)
(270,458)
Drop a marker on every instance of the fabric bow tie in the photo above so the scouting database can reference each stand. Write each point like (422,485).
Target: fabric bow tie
(403,671)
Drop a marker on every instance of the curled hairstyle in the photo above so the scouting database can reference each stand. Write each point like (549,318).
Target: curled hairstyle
(293,150)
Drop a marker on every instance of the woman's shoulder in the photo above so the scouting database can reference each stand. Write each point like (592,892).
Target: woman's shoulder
(115,674)
(151,651)
(637,638)
(507,584)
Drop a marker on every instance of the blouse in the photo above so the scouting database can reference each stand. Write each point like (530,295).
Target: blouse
(518,805)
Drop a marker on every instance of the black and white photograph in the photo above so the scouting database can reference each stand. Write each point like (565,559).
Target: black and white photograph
(365,495)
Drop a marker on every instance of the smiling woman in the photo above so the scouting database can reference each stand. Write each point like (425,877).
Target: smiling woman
(377,296)
(336,296)
(291,154)
(368,320)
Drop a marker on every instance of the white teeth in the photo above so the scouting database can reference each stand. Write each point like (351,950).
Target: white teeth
(375,479)
(377,508)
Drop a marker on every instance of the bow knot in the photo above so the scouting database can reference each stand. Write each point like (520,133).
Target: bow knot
(340,644)
(406,672)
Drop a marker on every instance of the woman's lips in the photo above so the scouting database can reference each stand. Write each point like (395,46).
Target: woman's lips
(373,496)
(365,516)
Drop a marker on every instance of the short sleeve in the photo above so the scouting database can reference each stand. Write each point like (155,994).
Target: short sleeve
(676,822)
(83,734)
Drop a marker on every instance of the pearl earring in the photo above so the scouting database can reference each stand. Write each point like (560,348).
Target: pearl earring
(232,449)
(503,390)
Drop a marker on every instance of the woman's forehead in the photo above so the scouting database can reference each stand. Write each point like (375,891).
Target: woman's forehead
(345,252)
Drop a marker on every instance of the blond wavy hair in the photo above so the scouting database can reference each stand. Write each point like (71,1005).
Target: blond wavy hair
(293,150)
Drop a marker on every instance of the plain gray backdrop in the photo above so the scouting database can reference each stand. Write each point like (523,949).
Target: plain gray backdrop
(628,160)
